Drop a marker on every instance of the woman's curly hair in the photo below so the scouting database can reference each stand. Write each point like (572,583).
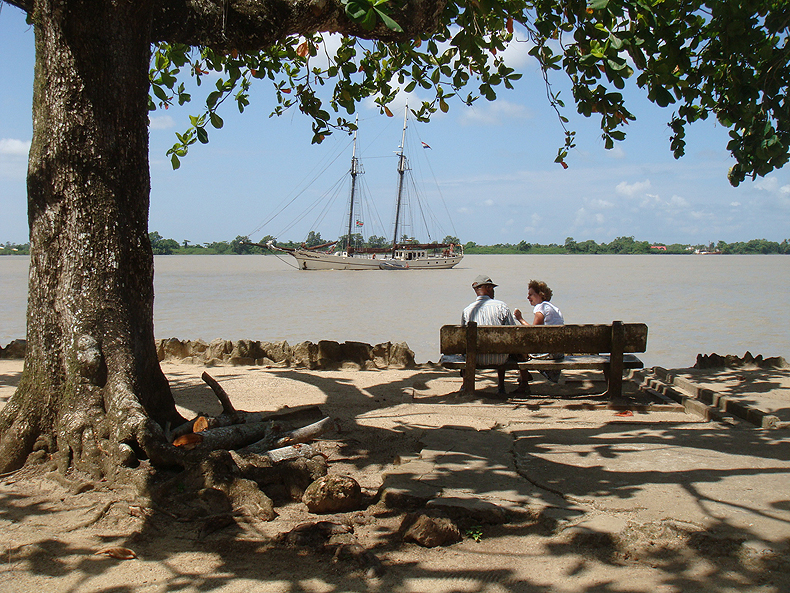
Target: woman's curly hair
(541,288)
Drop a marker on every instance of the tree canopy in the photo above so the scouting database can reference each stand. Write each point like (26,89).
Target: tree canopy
(701,58)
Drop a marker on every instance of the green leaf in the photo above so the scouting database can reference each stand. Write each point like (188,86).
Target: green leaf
(159,92)
(216,120)
(202,135)
(175,162)
(388,22)
(212,99)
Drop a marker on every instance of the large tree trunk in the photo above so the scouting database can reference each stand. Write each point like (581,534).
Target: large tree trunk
(92,386)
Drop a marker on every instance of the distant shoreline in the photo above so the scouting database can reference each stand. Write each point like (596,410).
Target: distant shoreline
(619,246)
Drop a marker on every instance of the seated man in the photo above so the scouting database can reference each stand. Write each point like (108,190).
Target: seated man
(485,310)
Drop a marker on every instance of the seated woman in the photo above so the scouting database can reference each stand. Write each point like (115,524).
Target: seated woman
(539,295)
(544,313)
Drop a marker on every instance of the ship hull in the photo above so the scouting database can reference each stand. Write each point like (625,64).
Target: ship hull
(311,260)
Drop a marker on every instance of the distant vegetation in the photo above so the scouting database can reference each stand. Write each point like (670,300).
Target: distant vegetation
(628,245)
(621,245)
(15,249)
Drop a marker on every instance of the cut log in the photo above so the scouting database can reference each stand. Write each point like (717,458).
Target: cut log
(227,407)
(300,435)
(292,452)
(287,417)
(235,436)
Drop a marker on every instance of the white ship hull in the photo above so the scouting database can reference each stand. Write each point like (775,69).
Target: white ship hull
(312,260)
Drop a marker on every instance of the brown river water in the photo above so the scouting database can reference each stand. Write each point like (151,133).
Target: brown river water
(691,304)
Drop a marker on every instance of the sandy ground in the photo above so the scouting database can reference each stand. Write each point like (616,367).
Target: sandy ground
(640,498)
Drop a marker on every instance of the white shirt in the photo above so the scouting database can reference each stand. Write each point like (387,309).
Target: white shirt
(551,314)
(487,311)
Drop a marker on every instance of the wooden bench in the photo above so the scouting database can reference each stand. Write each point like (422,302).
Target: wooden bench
(603,347)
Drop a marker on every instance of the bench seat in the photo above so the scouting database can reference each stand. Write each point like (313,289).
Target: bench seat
(570,362)
(608,348)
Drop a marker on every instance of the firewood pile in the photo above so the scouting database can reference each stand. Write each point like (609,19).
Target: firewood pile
(244,461)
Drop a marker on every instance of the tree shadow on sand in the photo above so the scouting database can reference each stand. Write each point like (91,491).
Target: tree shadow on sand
(581,491)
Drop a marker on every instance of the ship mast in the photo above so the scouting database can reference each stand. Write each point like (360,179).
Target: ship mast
(354,173)
(401,171)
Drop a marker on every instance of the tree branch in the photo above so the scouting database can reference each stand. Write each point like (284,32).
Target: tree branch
(251,25)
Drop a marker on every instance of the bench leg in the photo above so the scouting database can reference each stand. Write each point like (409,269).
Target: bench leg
(614,384)
(614,380)
(468,385)
(500,375)
(616,361)
(471,358)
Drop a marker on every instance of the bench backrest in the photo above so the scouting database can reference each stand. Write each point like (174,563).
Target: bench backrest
(534,339)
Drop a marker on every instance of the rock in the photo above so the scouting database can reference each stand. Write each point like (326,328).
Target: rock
(381,355)
(215,501)
(175,348)
(248,498)
(219,349)
(429,530)
(401,357)
(329,354)
(279,352)
(357,353)
(333,494)
(15,349)
(470,510)
(716,361)
(306,354)
(197,348)
(246,349)
(313,534)
(297,475)
(241,361)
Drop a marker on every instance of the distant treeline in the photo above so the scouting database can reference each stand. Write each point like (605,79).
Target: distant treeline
(241,245)
(628,245)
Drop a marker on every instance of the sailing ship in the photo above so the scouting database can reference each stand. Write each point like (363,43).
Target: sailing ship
(398,256)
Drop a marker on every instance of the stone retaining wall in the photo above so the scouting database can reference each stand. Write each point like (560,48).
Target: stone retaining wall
(325,354)
(717,361)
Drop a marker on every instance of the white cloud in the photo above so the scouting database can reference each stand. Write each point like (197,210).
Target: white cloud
(616,153)
(516,54)
(785,190)
(534,223)
(678,202)
(498,112)
(161,122)
(769,184)
(601,204)
(700,215)
(735,204)
(600,218)
(630,189)
(13,158)
(14,147)
(488,202)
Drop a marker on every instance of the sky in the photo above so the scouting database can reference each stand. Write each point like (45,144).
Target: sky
(491,169)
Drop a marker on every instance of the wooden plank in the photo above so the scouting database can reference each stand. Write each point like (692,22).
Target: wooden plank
(589,362)
(578,339)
